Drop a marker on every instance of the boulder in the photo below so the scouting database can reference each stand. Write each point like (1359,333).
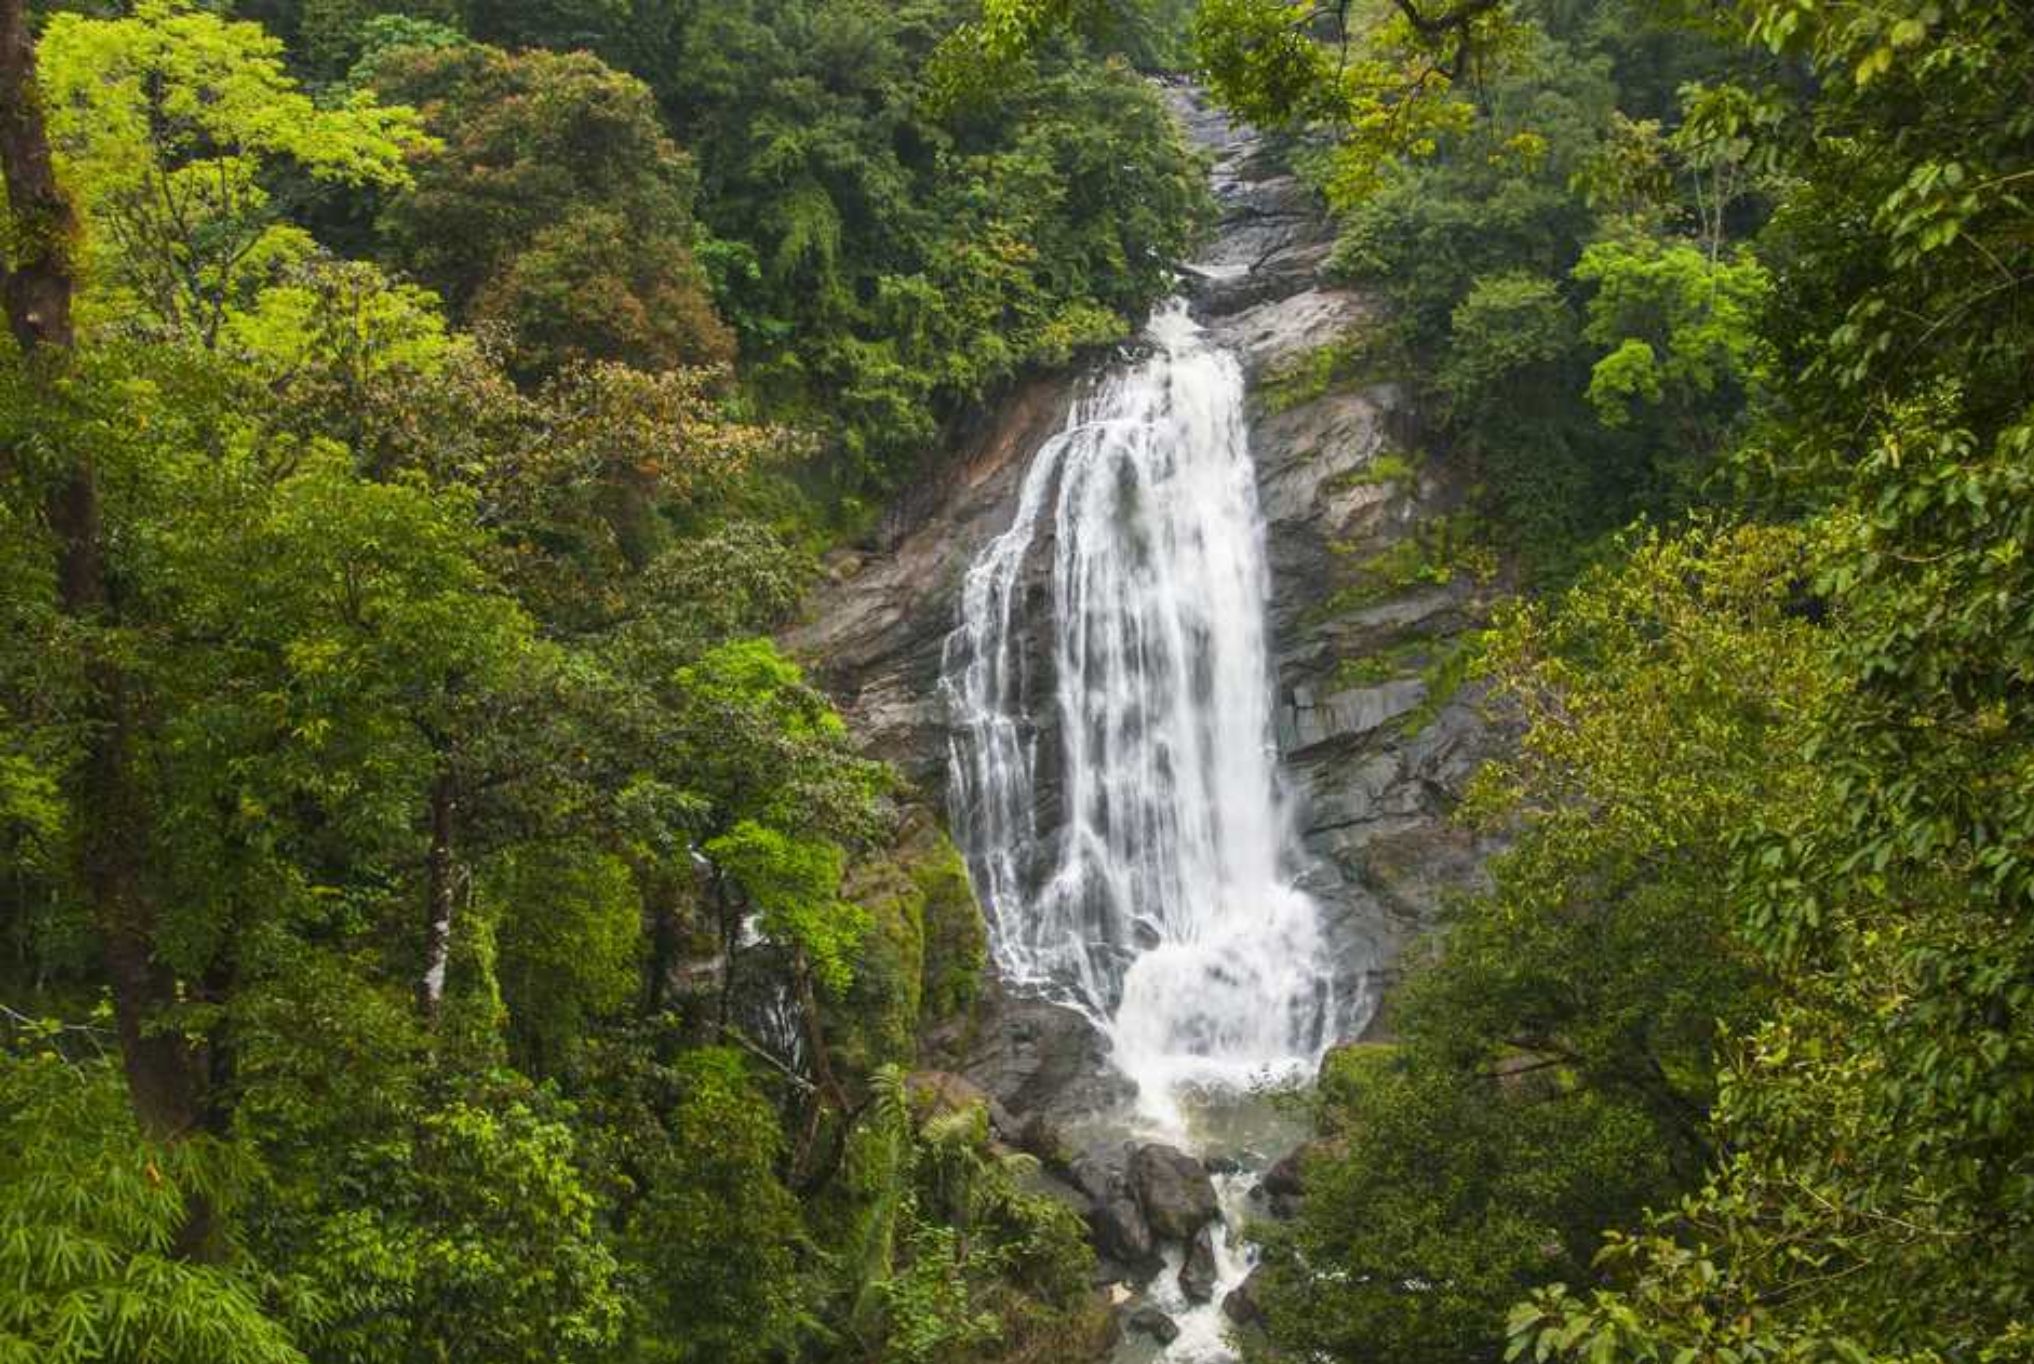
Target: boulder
(1174,1190)
(1116,1221)
(1121,1234)
(1155,1324)
(1241,1304)
(1285,1177)
(1041,1136)
(1197,1274)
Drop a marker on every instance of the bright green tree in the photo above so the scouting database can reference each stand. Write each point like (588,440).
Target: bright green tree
(168,126)
(91,1219)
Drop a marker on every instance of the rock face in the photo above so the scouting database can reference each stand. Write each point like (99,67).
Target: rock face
(1042,1063)
(1372,592)
(937,1093)
(1372,588)
(875,631)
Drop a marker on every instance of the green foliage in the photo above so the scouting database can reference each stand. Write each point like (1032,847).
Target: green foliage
(1870,1199)
(795,886)
(1679,329)
(956,939)
(1510,331)
(472,1225)
(1441,1194)
(568,949)
(1558,1049)
(90,1216)
(1519,245)
(433,669)
(553,204)
(1381,86)
(715,1237)
(923,959)
(947,1255)
(888,247)
(168,127)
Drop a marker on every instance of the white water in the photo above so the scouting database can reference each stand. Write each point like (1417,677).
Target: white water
(1162,903)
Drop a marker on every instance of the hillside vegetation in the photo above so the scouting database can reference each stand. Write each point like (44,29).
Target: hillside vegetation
(438,925)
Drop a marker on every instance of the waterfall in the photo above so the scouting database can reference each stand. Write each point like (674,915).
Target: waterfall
(1156,895)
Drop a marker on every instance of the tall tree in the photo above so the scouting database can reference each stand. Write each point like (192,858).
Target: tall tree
(165,1072)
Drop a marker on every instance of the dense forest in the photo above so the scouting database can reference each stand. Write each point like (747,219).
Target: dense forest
(420,419)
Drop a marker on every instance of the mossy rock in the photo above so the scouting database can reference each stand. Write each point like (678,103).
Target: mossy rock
(922,960)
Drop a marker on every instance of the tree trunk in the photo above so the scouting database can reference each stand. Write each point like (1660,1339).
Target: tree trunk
(38,279)
(165,1070)
(662,926)
(441,892)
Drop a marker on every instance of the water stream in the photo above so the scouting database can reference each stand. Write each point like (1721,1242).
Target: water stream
(1142,872)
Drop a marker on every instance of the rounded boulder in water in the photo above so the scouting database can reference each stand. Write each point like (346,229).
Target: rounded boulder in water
(1198,1273)
(1155,1324)
(1241,1304)
(1174,1190)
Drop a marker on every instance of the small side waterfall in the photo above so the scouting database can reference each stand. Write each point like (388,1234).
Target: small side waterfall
(1159,899)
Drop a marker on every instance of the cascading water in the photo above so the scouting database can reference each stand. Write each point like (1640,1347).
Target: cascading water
(1161,902)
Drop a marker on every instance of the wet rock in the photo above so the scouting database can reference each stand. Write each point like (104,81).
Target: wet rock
(1174,1189)
(1041,1059)
(1241,1304)
(1155,1324)
(1222,1165)
(875,630)
(1116,1220)
(1280,331)
(1120,1232)
(1286,1176)
(1041,1136)
(1197,1274)
(1352,711)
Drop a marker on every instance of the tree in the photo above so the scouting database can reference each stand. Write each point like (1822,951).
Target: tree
(554,205)
(1875,1203)
(162,1070)
(1679,329)
(167,126)
(886,246)
(1559,1048)
(717,1236)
